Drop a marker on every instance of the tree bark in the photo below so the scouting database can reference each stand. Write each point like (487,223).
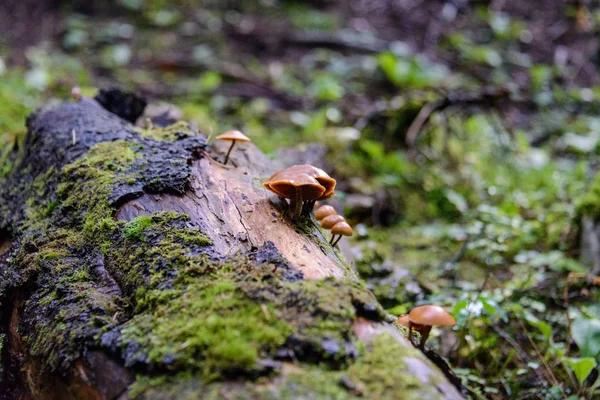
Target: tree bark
(133,266)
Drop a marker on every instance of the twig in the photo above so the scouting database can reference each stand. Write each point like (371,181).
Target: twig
(539,356)
(460,254)
(489,95)
(318,39)
(215,161)
(306,38)
(419,121)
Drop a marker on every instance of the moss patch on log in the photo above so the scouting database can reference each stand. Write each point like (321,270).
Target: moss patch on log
(171,133)
(378,372)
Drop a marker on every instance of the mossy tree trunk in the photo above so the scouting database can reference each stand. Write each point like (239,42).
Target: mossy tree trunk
(133,266)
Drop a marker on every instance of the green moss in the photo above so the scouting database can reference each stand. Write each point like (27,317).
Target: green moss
(133,229)
(211,327)
(66,296)
(378,372)
(379,369)
(77,276)
(50,255)
(170,133)
(88,182)
(221,316)
(192,236)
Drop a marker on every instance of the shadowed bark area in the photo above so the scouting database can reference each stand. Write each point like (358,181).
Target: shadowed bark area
(133,267)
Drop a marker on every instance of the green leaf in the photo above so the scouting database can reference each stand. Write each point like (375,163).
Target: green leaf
(586,333)
(326,88)
(543,327)
(387,62)
(581,367)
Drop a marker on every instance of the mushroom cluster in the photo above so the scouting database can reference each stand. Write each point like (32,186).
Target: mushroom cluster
(421,319)
(303,185)
(331,220)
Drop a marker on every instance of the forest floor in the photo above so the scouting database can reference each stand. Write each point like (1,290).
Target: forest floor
(464,137)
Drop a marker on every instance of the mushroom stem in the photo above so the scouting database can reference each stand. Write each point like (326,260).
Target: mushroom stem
(336,242)
(229,151)
(332,237)
(297,203)
(424,335)
(410,333)
(284,203)
(423,330)
(308,207)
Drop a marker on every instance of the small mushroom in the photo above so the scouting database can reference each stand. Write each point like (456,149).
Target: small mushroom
(329,221)
(403,320)
(75,93)
(324,211)
(307,171)
(297,188)
(233,136)
(341,229)
(422,318)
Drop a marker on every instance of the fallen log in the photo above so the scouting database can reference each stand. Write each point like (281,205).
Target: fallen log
(134,267)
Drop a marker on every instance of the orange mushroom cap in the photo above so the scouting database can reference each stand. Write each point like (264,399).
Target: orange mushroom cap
(286,186)
(341,228)
(329,221)
(403,320)
(431,315)
(321,176)
(235,136)
(324,211)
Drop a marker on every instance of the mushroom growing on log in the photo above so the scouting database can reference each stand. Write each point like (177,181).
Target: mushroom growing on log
(136,268)
(291,183)
(329,221)
(421,319)
(324,211)
(233,137)
(342,229)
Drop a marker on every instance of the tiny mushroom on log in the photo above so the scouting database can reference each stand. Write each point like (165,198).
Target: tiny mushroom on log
(422,318)
(403,320)
(324,211)
(75,93)
(232,136)
(341,229)
(302,199)
(330,221)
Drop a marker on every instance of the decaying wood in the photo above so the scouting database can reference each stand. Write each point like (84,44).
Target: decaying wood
(50,350)
(238,214)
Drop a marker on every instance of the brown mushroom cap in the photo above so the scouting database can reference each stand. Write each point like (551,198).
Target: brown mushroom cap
(287,186)
(403,320)
(329,221)
(321,176)
(341,228)
(431,315)
(234,135)
(324,211)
